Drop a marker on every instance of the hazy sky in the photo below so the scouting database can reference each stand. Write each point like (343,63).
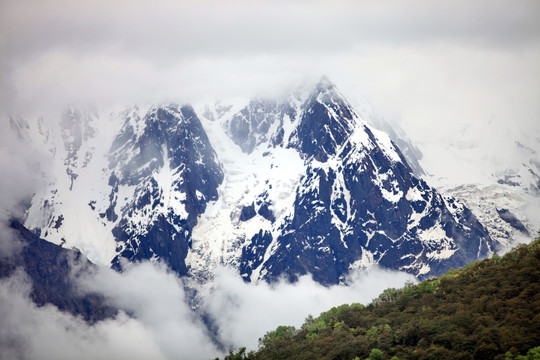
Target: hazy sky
(446,69)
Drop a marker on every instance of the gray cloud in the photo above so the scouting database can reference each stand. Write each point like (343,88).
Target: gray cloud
(408,55)
(185,29)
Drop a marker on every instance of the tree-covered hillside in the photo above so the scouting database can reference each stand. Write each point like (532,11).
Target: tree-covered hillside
(487,310)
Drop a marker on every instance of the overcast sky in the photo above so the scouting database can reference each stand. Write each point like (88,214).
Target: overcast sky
(444,68)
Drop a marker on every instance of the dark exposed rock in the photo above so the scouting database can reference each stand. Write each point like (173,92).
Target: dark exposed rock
(247,213)
(266,212)
(510,218)
(325,125)
(251,126)
(51,270)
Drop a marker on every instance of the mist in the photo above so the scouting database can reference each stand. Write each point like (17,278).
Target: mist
(157,300)
(245,312)
(21,166)
(32,332)
(161,325)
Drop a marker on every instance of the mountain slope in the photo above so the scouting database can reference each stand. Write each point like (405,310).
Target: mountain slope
(50,270)
(487,310)
(140,193)
(167,172)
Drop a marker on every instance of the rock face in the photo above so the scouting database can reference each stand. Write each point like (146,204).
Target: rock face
(51,270)
(171,172)
(296,185)
(251,126)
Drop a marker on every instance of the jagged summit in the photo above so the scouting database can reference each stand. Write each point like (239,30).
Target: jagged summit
(327,120)
(324,84)
(174,172)
(326,123)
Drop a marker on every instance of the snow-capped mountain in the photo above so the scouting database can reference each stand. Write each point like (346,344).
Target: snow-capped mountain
(352,199)
(271,187)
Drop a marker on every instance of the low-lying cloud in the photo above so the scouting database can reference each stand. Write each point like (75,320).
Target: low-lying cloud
(161,324)
(32,332)
(245,312)
(156,299)
(21,175)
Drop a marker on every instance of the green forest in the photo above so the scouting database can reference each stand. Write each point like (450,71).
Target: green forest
(489,309)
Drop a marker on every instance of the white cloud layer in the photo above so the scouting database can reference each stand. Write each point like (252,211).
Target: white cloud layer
(31,332)
(157,300)
(163,326)
(245,312)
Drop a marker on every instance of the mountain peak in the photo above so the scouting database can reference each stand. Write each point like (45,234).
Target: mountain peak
(325,124)
(324,84)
